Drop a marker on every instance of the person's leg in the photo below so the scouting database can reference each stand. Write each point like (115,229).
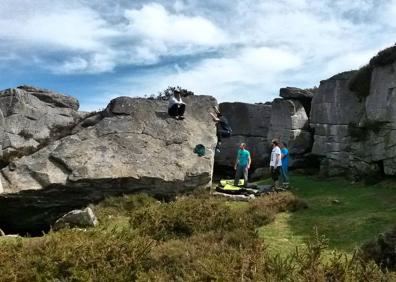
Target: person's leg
(238,174)
(224,133)
(276,177)
(286,174)
(181,109)
(173,111)
(273,176)
(282,176)
(245,176)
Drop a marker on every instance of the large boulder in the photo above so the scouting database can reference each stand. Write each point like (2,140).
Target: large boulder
(295,93)
(132,146)
(289,124)
(250,124)
(31,117)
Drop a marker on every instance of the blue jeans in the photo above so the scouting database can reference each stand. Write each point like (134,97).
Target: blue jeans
(284,174)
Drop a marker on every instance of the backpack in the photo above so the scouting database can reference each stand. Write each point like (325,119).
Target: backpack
(200,150)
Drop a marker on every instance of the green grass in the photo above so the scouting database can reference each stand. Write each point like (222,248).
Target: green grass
(347,214)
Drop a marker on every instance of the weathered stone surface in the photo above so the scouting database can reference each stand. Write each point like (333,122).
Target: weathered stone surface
(260,173)
(31,117)
(289,124)
(295,93)
(247,119)
(76,218)
(380,108)
(136,146)
(257,146)
(250,124)
(334,103)
(381,103)
(334,109)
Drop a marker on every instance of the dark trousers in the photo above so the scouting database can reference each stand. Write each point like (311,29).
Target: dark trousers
(275,173)
(241,170)
(177,110)
(221,133)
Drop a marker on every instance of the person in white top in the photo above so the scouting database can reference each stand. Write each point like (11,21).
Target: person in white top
(176,106)
(275,162)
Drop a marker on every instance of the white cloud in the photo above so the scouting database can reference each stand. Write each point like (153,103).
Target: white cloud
(220,47)
(154,22)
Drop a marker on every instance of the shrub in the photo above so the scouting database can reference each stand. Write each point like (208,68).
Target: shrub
(72,255)
(384,57)
(218,242)
(187,216)
(169,92)
(361,81)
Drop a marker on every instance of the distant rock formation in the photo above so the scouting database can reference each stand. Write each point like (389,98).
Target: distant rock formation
(354,116)
(132,146)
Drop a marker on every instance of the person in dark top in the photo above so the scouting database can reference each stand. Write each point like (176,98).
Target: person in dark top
(223,128)
(176,106)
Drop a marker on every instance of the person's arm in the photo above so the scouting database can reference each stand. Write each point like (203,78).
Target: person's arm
(277,157)
(214,117)
(236,161)
(249,162)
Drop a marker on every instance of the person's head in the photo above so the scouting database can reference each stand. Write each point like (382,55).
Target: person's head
(274,142)
(177,95)
(242,146)
(283,145)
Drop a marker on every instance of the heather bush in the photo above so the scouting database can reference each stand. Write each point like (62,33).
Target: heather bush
(194,238)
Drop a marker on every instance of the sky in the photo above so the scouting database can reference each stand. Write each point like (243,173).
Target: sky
(240,50)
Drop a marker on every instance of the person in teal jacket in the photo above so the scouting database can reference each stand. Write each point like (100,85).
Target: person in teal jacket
(242,165)
(285,165)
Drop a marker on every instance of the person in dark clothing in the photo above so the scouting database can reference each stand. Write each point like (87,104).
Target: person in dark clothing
(223,129)
(176,106)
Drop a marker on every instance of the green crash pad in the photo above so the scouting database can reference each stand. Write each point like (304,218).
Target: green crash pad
(224,182)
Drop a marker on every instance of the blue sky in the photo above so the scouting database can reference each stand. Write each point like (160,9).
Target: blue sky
(240,50)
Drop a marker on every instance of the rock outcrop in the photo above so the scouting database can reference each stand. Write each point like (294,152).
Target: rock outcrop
(30,118)
(250,124)
(76,219)
(132,146)
(295,93)
(380,109)
(355,132)
(290,124)
(334,109)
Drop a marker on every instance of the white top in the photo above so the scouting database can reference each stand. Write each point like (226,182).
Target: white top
(276,155)
(173,101)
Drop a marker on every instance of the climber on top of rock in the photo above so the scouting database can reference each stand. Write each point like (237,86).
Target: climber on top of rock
(176,106)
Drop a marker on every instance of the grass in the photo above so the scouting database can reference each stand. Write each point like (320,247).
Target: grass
(347,214)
